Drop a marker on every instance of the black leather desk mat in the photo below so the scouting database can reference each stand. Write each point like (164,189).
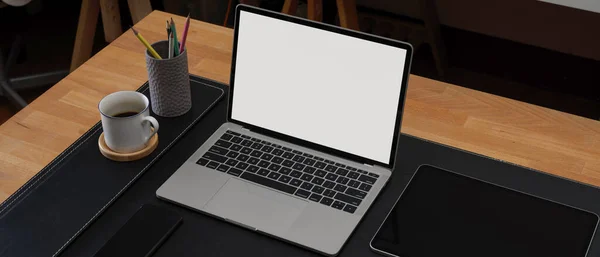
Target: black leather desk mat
(201,235)
(61,200)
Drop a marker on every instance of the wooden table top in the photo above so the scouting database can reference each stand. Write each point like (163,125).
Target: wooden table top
(501,128)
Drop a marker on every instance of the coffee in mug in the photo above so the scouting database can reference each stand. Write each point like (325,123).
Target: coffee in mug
(125,114)
(126,121)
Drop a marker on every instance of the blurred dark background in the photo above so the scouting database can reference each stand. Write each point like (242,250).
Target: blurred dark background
(532,51)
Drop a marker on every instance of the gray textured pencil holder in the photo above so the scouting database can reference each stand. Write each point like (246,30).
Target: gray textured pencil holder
(169,80)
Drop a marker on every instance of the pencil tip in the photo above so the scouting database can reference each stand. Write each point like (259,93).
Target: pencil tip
(188,15)
(134,31)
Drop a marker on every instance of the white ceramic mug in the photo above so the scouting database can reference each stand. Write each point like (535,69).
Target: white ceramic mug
(126,121)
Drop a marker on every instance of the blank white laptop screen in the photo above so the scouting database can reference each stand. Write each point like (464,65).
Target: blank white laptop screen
(319,86)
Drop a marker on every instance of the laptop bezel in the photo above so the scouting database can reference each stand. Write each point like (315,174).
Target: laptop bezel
(334,29)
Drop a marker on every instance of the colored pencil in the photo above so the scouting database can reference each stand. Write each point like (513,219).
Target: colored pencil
(171,49)
(146,44)
(184,35)
(168,30)
(175,40)
(169,38)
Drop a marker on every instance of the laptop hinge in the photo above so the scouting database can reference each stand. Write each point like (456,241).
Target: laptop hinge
(245,129)
(368,165)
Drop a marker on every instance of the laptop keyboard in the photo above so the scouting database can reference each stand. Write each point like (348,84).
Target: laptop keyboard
(291,171)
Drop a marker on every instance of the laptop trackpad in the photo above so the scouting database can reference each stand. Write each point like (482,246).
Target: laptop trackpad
(256,206)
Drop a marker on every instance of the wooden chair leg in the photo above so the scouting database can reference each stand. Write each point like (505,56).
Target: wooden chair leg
(84,39)
(315,10)
(434,37)
(347,13)
(289,7)
(111,19)
(139,9)
(227,13)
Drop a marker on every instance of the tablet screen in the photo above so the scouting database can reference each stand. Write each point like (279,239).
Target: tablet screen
(442,213)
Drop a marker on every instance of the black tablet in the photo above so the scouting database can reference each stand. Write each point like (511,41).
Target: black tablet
(442,213)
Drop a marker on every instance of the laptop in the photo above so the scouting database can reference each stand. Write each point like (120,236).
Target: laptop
(311,134)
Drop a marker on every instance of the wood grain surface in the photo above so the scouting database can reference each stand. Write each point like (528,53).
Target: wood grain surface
(508,130)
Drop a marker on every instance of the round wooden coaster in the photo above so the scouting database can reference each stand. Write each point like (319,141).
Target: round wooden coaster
(125,157)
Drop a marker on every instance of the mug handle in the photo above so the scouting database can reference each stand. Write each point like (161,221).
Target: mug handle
(154,123)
